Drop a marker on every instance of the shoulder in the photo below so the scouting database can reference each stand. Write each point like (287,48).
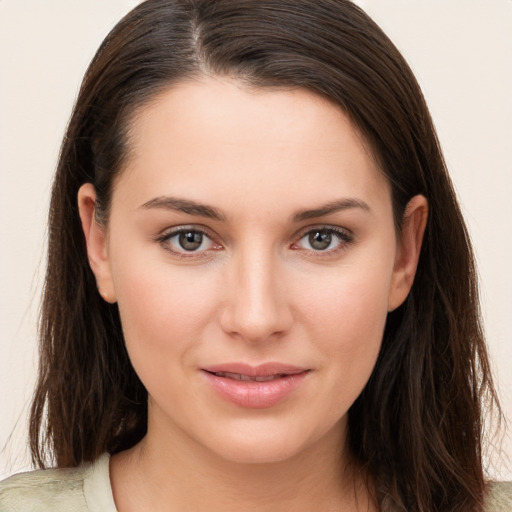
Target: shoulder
(499,497)
(44,490)
(55,490)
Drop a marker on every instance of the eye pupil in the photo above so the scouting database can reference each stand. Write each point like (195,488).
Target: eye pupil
(320,240)
(190,240)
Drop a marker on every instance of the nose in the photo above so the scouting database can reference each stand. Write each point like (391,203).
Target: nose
(257,306)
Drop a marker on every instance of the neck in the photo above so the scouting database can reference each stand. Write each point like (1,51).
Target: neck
(163,470)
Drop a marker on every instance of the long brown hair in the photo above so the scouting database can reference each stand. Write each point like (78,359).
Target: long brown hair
(417,427)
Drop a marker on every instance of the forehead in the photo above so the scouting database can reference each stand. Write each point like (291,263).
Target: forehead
(216,137)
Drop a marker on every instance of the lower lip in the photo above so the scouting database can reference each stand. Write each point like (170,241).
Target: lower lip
(253,394)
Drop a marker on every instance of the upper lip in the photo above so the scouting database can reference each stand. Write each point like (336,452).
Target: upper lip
(261,370)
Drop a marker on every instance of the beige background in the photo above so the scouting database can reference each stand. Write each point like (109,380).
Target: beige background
(460,50)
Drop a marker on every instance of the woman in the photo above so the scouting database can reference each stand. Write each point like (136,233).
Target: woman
(260,291)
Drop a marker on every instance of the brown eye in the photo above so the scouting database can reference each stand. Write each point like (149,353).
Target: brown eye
(325,240)
(320,240)
(190,240)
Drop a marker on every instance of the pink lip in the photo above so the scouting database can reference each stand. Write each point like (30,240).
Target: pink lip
(255,394)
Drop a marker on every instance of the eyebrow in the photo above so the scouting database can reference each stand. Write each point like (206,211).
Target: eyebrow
(186,206)
(191,207)
(332,207)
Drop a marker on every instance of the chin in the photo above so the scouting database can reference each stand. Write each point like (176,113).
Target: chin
(258,452)
(267,444)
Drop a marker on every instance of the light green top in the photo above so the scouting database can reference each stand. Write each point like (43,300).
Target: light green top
(87,489)
(83,489)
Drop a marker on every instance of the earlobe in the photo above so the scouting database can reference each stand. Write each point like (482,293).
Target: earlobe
(96,242)
(408,250)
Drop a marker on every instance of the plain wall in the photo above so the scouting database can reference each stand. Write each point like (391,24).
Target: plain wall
(460,50)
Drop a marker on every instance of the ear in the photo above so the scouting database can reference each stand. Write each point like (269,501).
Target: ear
(96,242)
(408,250)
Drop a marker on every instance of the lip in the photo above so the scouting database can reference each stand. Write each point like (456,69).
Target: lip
(252,393)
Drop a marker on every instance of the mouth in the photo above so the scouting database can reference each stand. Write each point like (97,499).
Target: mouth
(259,373)
(255,387)
(249,378)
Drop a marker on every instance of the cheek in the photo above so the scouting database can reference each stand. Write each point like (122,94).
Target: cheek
(163,310)
(346,323)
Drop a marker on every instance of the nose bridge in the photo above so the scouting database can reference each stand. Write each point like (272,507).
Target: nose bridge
(258,305)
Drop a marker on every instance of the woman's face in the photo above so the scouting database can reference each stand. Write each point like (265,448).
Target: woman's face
(252,252)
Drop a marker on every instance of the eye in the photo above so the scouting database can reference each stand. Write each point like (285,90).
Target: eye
(324,239)
(185,241)
(189,240)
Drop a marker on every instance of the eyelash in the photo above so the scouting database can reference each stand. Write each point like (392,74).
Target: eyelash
(165,241)
(344,239)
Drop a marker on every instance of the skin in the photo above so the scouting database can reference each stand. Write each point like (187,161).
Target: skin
(257,290)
